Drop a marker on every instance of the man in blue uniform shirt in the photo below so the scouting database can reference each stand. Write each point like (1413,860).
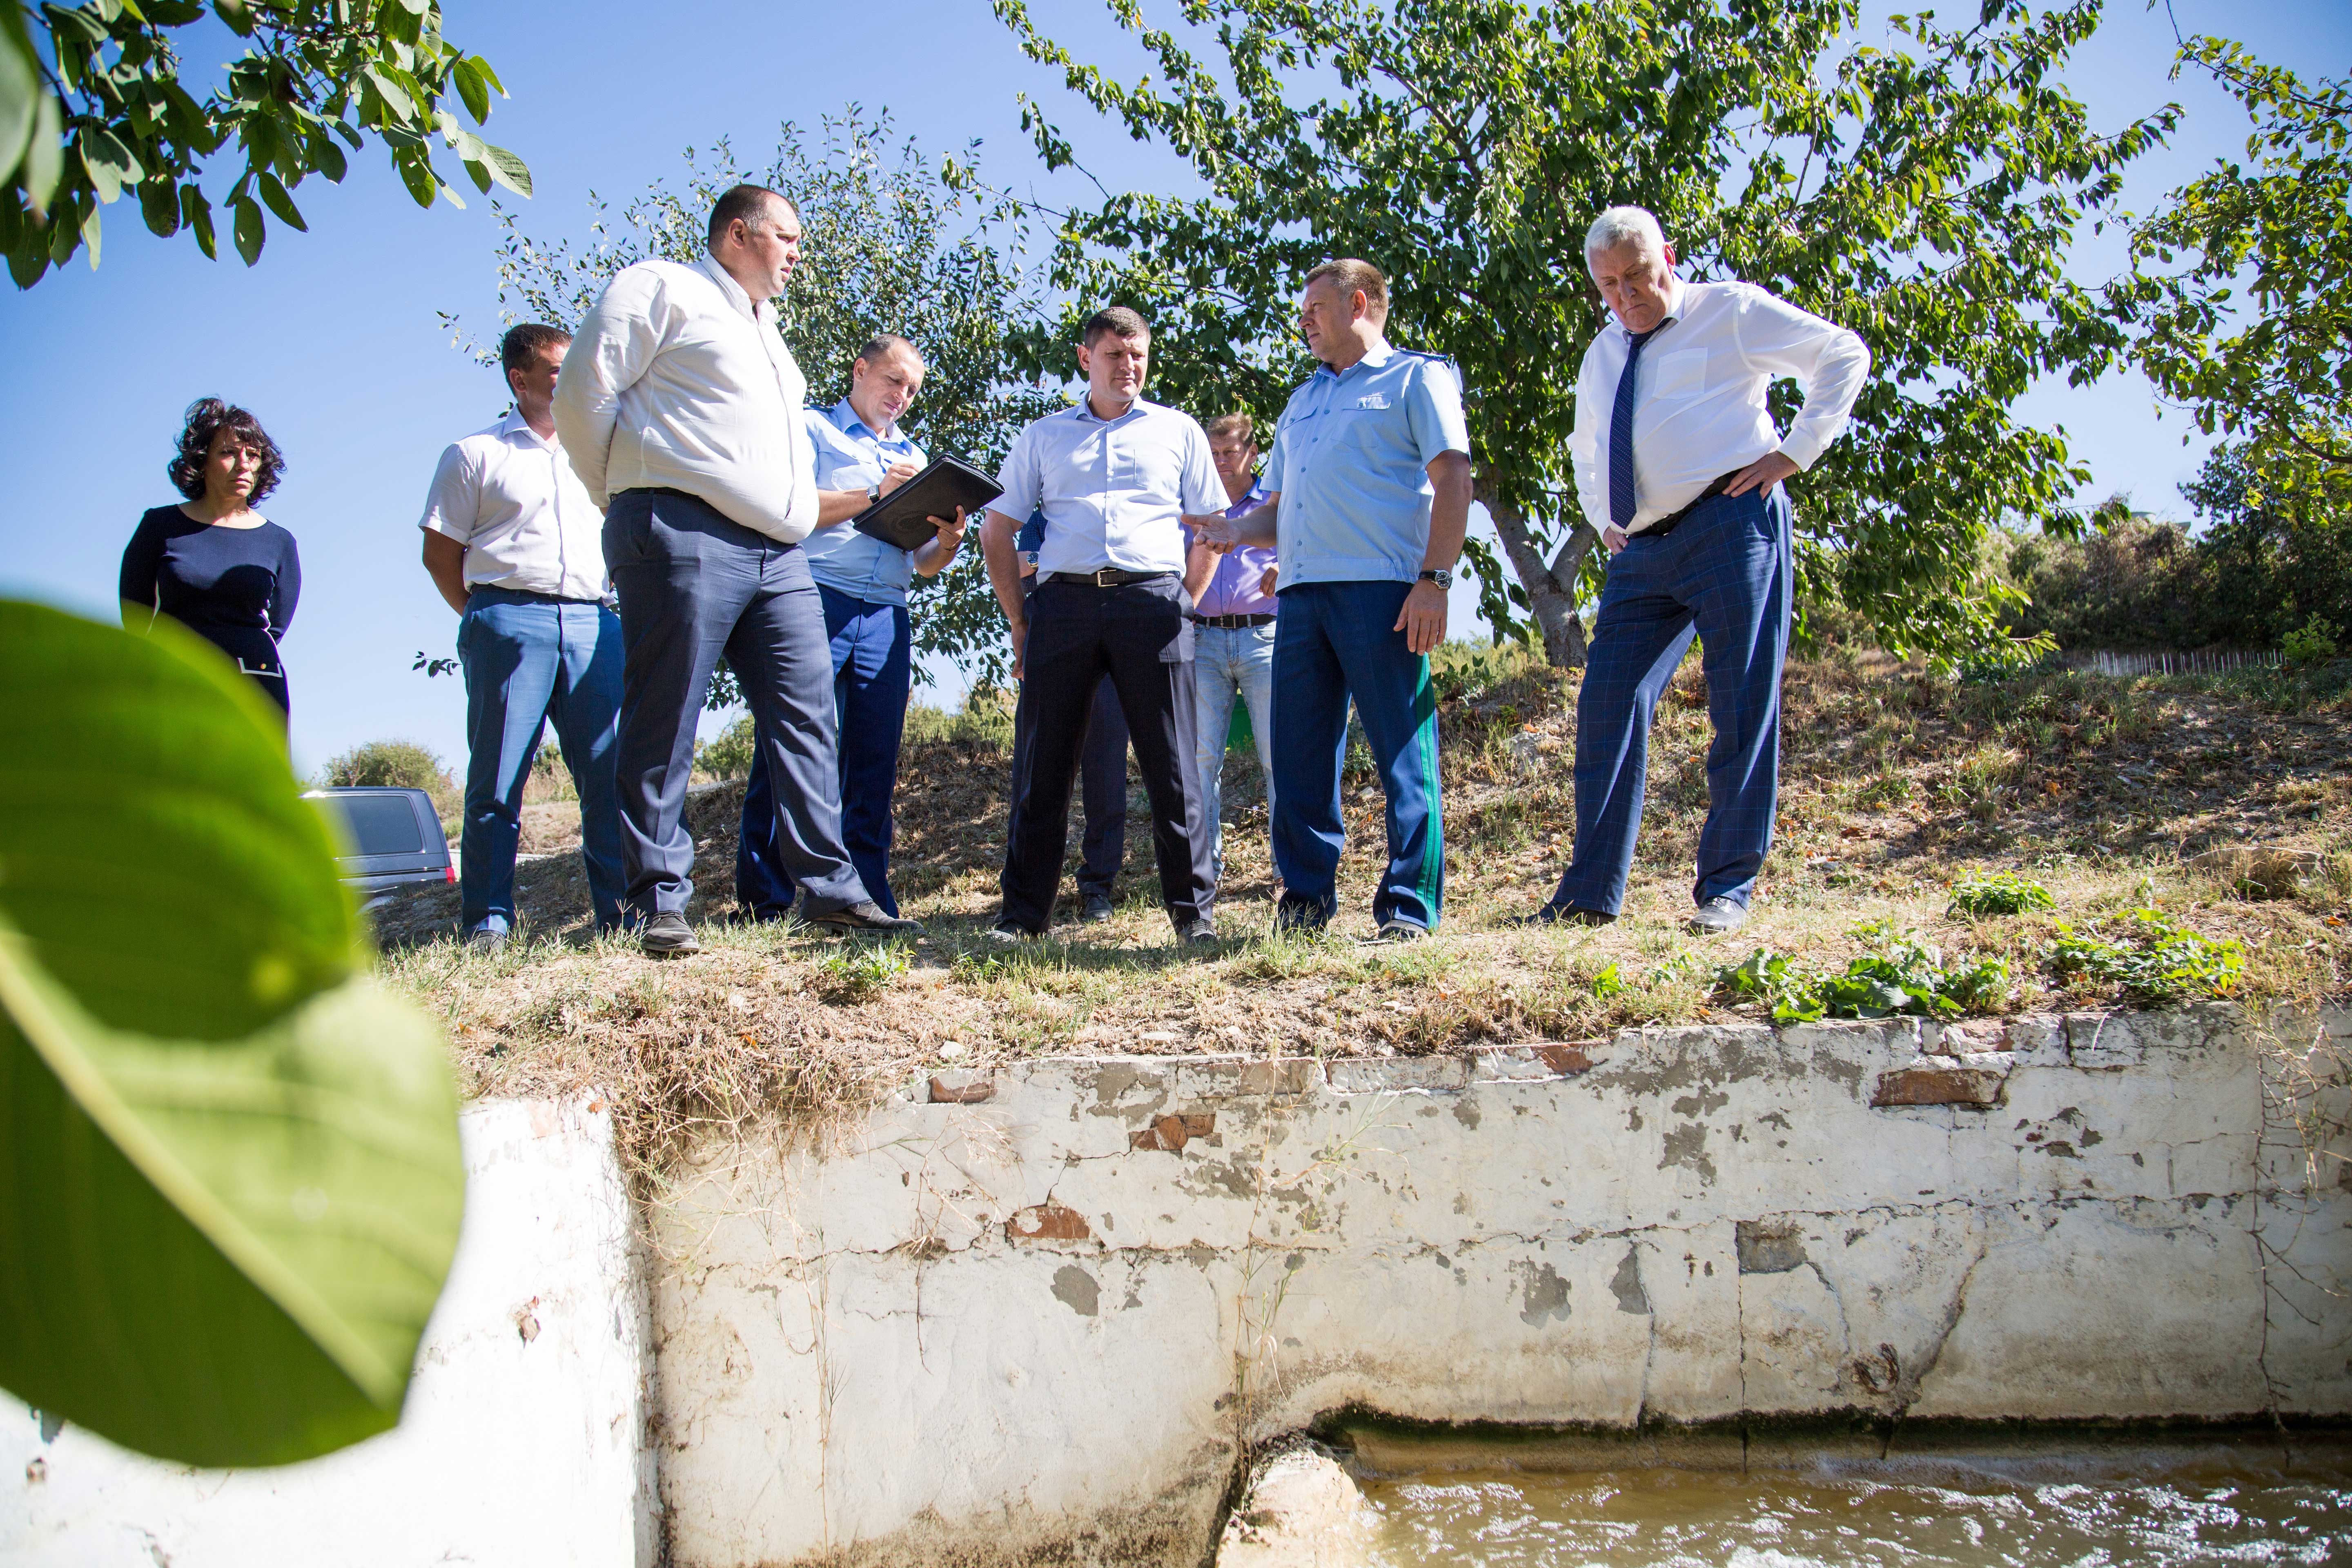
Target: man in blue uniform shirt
(862,582)
(1367,497)
(1117,479)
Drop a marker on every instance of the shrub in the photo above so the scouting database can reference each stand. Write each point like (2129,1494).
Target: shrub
(860,973)
(728,755)
(2314,642)
(1901,973)
(1999,893)
(395,764)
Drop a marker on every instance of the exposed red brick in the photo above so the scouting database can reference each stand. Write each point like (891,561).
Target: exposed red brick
(1047,1222)
(1567,1060)
(1173,1133)
(972,1093)
(1976,1087)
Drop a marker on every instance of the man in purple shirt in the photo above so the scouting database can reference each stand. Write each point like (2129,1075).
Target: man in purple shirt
(1232,630)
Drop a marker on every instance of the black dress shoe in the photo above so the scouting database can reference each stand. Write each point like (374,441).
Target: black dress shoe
(1564,915)
(866,916)
(1098,909)
(668,935)
(1198,933)
(1302,917)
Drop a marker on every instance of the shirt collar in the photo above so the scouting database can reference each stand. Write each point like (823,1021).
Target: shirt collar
(849,422)
(1085,412)
(1379,354)
(1253,495)
(514,425)
(729,287)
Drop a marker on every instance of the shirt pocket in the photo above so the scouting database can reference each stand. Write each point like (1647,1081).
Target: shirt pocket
(1680,375)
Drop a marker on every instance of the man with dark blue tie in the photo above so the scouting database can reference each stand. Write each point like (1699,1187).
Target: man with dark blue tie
(1690,504)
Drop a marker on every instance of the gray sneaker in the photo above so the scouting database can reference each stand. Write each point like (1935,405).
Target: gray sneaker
(488,942)
(668,935)
(1401,930)
(1718,917)
(1199,933)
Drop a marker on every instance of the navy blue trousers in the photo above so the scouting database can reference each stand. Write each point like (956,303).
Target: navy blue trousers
(693,585)
(1102,783)
(873,671)
(1136,637)
(1333,641)
(1726,576)
(530,660)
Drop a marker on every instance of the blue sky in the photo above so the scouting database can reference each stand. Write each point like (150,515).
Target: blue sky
(333,340)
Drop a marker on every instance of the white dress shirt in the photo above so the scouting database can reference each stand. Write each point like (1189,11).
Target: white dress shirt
(523,516)
(678,380)
(1698,409)
(1114,491)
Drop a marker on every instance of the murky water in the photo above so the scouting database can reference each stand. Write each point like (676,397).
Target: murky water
(2144,1509)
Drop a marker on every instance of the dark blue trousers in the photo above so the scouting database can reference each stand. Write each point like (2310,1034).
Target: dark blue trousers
(872,669)
(1725,575)
(694,585)
(1333,641)
(1137,638)
(528,659)
(1102,783)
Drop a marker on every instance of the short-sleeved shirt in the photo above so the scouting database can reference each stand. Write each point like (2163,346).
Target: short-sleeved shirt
(1232,589)
(1350,459)
(1114,491)
(850,457)
(514,502)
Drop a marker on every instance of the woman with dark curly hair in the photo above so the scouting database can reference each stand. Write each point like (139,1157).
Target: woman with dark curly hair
(211,562)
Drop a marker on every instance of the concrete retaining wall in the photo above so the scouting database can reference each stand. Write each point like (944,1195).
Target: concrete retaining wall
(1032,1316)
(522,1443)
(1028,1316)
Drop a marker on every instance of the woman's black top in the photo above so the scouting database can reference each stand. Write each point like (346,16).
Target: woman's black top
(235,587)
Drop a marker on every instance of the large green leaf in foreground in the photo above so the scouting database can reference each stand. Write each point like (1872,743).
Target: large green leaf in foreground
(229,1177)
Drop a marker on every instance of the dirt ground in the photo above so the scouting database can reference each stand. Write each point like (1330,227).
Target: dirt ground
(1895,781)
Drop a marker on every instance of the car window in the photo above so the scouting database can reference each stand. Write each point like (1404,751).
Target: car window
(380,824)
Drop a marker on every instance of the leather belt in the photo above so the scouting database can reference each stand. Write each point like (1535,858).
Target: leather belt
(1673,520)
(1231,623)
(1104,577)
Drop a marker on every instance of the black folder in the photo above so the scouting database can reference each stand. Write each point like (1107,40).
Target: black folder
(949,483)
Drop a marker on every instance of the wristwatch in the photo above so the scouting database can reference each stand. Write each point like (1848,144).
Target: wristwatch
(1441,576)
(873,494)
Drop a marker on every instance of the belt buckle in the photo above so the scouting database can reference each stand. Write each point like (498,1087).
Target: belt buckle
(1104,576)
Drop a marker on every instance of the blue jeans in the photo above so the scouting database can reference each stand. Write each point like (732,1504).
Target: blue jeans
(1230,662)
(872,669)
(1333,641)
(528,659)
(1725,575)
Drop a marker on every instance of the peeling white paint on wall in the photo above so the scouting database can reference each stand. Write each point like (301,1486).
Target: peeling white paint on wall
(1029,1317)
(522,1442)
(1032,1316)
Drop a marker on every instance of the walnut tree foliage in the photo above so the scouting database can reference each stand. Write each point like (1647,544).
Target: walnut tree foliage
(890,243)
(102,113)
(1924,192)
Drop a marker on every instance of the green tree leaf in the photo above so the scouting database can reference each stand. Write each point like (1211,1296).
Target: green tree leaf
(230,1183)
(281,202)
(249,229)
(507,169)
(20,90)
(472,90)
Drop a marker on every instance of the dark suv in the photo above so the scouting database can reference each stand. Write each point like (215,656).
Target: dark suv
(395,838)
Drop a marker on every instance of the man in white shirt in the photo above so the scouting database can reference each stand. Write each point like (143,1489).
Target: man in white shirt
(1679,466)
(1117,479)
(516,547)
(680,404)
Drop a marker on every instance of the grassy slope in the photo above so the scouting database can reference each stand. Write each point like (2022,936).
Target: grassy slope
(1894,783)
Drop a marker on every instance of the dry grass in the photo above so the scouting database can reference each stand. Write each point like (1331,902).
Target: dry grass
(1894,783)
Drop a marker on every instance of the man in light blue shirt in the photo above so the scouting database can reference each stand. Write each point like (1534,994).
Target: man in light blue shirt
(862,582)
(1117,479)
(1368,487)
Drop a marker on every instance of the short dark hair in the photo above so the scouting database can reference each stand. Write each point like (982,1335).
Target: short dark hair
(1239,424)
(207,417)
(1353,274)
(523,342)
(747,203)
(881,344)
(1118,319)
